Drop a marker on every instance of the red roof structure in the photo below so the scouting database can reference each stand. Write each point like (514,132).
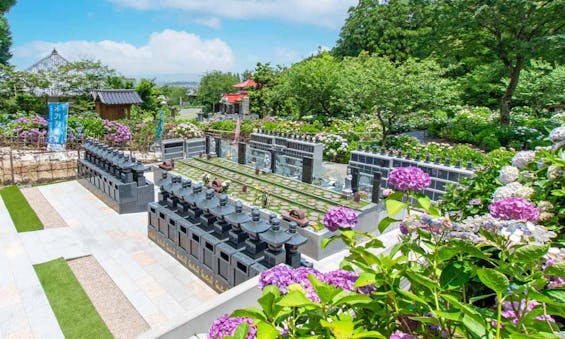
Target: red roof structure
(233,98)
(246,83)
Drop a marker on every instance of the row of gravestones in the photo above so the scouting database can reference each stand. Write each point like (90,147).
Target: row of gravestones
(115,178)
(381,163)
(218,240)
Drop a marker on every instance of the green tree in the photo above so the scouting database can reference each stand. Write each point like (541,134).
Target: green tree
(174,94)
(118,82)
(541,86)
(79,78)
(509,31)
(377,86)
(5,34)
(213,85)
(397,29)
(312,84)
(148,91)
(264,99)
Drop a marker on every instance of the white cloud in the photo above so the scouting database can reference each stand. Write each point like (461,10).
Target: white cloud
(167,53)
(213,22)
(324,13)
(285,56)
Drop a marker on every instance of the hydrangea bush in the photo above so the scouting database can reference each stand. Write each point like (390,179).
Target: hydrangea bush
(116,132)
(494,275)
(29,129)
(336,147)
(185,130)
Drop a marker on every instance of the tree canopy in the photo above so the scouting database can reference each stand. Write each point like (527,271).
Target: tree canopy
(213,85)
(5,34)
(397,29)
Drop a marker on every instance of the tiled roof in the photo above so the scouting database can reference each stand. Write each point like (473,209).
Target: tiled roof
(117,96)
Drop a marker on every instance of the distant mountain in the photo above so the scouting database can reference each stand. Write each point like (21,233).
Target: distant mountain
(185,84)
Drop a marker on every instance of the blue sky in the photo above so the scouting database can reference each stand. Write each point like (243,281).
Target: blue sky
(175,39)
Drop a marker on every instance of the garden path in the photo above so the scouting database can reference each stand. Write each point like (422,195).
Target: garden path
(159,288)
(24,309)
(45,212)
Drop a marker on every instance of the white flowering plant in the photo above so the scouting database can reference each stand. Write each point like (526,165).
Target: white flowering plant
(336,147)
(538,176)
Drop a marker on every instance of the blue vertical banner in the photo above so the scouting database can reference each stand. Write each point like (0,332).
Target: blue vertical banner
(57,126)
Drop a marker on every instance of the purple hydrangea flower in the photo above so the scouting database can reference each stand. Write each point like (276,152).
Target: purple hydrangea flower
(514,209)
(280,276)
(340,217)
(401,335)
(408,179)
(226,326)
(554,282)
(116,132)
(517,310)
(341,278)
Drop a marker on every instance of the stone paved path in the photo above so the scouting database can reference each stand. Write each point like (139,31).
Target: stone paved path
(159,288)
(45,212)
(118,313)
(24,309)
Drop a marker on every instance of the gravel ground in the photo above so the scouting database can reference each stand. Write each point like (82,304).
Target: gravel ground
(46,213)
(118,313)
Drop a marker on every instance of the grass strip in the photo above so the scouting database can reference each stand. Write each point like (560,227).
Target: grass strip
(74,311)
(22,214)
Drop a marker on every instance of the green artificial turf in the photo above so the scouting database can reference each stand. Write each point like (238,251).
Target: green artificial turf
(22,214)
(75,313)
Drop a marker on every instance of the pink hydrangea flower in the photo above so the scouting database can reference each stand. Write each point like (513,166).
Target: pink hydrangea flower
(409,179)
(514,209)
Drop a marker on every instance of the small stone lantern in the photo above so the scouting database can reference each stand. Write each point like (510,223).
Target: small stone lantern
(207,219)
(221,226)
(275,238)
(254,247)
(293,256)
(236,235)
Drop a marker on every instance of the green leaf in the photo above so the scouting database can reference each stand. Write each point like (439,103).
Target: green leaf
(250,312)
(530,253)
(455,275)
(326,292)
(424,201)
(327,241)
(266,330)
(368,334)
(556,270)
(445,252)
(341,329)
(241,331)
(412,296)
(294,299)
(393,207)
(352,299)
(385,223)
(493,279)
(556,294)
(267,302)
(419,279)
(365,279)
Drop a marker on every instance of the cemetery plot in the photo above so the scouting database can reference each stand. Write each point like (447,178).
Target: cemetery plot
(310,191)
(283,194)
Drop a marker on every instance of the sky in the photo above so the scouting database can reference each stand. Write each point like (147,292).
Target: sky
(175,40)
